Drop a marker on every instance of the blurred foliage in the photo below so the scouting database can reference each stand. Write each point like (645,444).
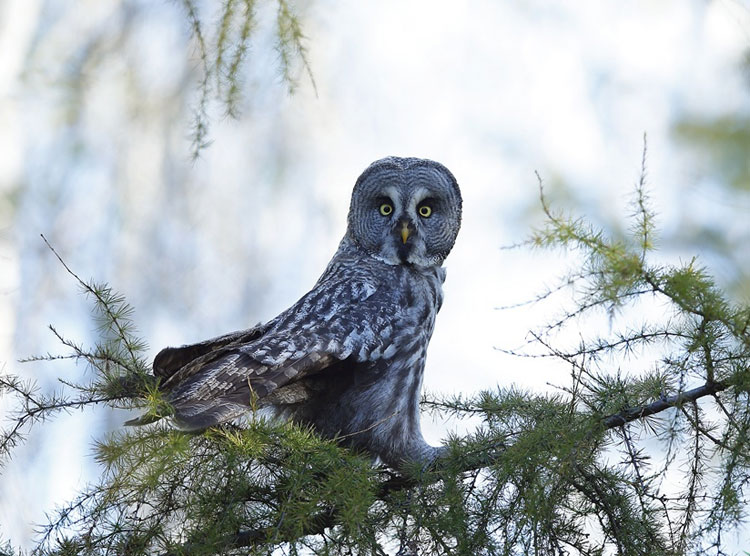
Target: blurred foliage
(723,143)
(110,97)
(223,56)
(720,149)
(721,154)
(107,48)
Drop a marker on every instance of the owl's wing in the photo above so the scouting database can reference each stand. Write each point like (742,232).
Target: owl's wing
(214,381)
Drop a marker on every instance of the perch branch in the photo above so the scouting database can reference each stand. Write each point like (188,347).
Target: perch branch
(327,517)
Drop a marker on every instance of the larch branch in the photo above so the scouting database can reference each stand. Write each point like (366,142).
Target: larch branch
(326,518)
(638,412)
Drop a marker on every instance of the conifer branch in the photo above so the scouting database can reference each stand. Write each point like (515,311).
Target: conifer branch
(639,412)
(116,315)
(327,518)
(321,521)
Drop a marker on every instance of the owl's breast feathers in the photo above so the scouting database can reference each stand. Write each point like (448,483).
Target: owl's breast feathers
(360,310)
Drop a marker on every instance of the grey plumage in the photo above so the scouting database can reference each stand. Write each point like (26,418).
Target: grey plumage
(348,357)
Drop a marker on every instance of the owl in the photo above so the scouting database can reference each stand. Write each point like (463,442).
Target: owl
(348,357)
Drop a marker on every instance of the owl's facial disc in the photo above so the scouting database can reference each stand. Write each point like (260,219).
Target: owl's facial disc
(405,211)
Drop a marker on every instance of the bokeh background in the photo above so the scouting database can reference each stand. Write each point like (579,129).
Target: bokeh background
(98,104)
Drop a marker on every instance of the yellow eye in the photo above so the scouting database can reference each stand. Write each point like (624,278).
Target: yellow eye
(425,211)
(386,209)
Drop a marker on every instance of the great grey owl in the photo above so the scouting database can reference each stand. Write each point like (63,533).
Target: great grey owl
(348,357)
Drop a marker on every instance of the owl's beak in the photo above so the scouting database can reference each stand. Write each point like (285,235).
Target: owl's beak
(405,231)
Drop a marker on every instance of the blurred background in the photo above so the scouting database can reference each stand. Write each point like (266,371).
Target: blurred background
(99,102)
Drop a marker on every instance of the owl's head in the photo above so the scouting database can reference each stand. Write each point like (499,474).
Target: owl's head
(406,211)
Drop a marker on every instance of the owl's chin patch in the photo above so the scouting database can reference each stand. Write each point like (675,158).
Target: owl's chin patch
(410,253)
(404,252)
(413,254)
(394,253)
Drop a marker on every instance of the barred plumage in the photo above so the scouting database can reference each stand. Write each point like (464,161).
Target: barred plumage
(348,357)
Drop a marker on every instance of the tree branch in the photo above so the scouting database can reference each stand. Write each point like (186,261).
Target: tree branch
(249,537)
(326,518)
(638,412)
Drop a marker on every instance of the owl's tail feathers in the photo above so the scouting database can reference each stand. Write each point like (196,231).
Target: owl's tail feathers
(201,415)
(197,416)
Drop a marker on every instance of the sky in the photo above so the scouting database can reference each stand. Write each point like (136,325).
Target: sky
(97,101)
